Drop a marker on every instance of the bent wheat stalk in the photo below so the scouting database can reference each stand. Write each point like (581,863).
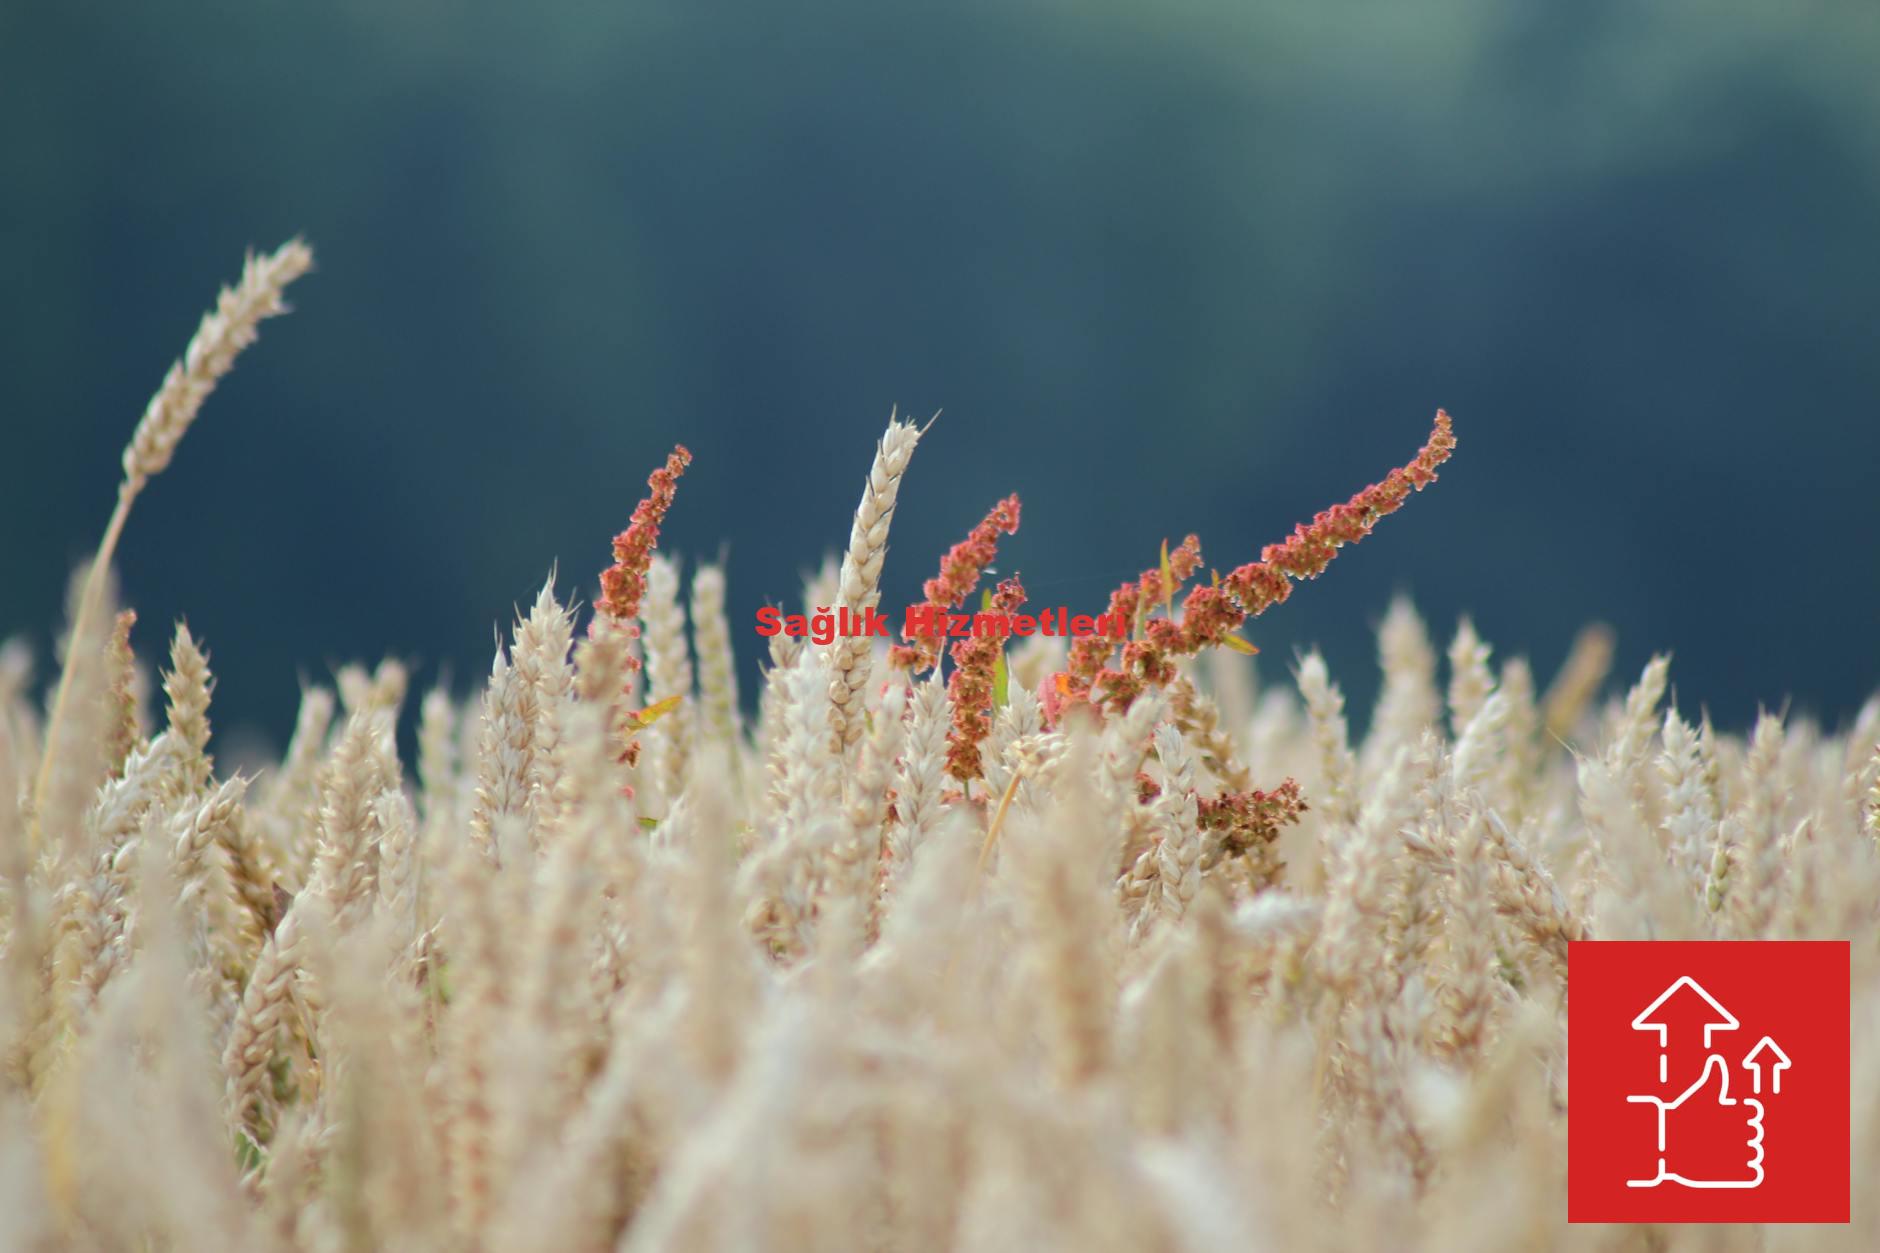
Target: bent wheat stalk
(224,331)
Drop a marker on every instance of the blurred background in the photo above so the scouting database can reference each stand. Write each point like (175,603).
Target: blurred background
(1201,265)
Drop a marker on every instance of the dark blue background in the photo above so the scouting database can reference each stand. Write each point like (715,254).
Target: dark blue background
(1196,265)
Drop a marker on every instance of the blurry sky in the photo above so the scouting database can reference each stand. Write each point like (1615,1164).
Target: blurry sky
(1197,265)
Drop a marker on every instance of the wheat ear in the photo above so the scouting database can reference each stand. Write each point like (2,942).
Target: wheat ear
(717,664)
(669,675)
(225,330)
(861,573)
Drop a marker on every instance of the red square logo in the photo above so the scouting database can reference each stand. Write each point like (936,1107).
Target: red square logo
(1707,1081)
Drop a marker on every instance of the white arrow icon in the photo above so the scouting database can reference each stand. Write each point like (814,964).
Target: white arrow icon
(1775,1068)
(1723,1019)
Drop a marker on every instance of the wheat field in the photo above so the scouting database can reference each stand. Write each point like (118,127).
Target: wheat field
(1052,945)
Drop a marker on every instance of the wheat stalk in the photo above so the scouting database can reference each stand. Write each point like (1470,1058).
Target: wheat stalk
(227,329)
(860,587)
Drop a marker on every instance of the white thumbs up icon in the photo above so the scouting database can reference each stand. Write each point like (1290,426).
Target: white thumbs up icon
(1720,1093)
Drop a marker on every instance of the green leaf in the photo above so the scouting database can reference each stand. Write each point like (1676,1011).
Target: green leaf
(1240,645)
(248,1155)
(999,678)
